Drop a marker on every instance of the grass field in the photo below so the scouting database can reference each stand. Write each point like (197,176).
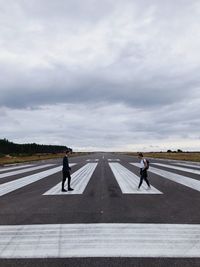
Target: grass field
(24,158)
(187,156)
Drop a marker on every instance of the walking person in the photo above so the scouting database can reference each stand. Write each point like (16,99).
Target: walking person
(144,165)
(66,172)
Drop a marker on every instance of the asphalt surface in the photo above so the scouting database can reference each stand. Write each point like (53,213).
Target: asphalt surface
(102,202)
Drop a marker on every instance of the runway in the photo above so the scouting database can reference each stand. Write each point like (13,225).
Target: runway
(105,220)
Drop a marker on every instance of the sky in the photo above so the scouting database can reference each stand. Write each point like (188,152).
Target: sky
(109,75)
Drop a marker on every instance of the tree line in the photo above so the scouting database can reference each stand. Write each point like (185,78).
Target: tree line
(7,147)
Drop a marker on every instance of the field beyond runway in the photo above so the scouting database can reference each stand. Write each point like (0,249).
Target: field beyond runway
(105,221)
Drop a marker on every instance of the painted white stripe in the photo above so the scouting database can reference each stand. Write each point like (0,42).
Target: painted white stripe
(188,165)
(173,161)
(3,175)
(21,182)
(79,181)
(189,182)
(178,168)
(15,167)
(89,160)
(128,181)
(100,240)
(113,159)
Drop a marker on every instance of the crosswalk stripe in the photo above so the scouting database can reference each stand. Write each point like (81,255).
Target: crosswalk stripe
(188,165)
(113,159)
(178,168)
(3,175)
(100,240)
(14,167)
(89,160)
(128,181)
(21,182)
(184,180)
(79,181)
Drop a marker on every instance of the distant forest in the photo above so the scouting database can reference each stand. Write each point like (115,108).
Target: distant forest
(7,147)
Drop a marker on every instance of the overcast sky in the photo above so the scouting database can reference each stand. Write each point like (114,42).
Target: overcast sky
(108,75)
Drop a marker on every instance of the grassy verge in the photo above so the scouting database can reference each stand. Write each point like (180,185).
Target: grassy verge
(187,156)
(26,158)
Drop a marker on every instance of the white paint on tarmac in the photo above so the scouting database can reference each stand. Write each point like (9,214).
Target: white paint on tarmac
(189,165)
(184,180)
(21,182)
(178,168)
(113,159)
(79,181)
(3,175)
(129,182)
(92,160)
(100,240)
(3,169)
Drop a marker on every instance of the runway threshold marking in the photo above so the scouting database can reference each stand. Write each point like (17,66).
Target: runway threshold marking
(188,165)
(3,175)
(100,240)
(79,181)
(180,179)
(21,182)
(128,181)
(15,167)
(178,168)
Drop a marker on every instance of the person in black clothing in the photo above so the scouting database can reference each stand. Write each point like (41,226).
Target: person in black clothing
(66,172)
(143,171)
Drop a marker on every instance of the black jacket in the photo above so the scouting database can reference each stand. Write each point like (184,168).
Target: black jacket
(66,167)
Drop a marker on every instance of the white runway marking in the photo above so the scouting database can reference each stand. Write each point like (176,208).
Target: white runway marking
(79,181)
(14,167)
(189,182)
(188,165)
(178,168)
(100,240)
(21,182)
(128,181)
(113,159)
(3,175)
(89,160)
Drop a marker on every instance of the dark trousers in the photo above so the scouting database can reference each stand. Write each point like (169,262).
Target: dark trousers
(143,176)
(66,174)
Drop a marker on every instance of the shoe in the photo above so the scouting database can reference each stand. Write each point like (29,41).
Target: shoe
(138,189)
(64,190)
(70,189)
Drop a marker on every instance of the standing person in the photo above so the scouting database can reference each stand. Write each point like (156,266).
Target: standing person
(66,172)
(143,170)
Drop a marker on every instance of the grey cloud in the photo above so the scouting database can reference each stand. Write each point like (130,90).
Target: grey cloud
(135,74)
(141,59)
(104,126)
(68,10)
(60,86)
